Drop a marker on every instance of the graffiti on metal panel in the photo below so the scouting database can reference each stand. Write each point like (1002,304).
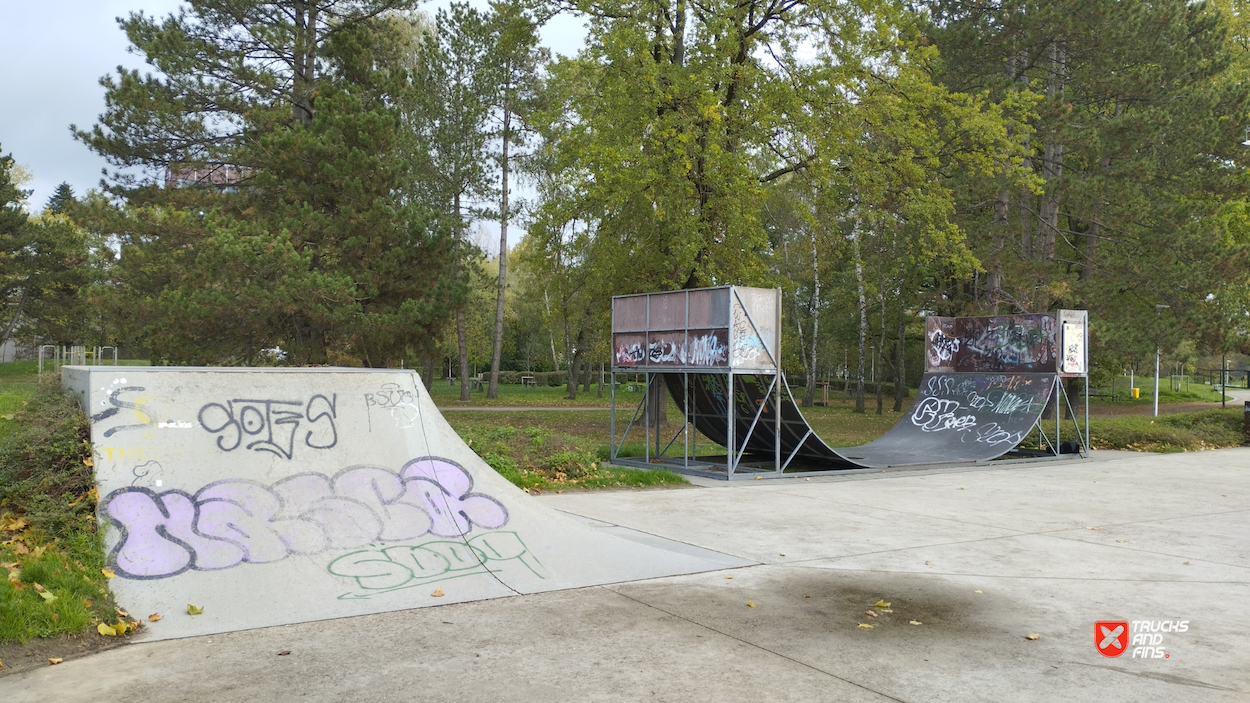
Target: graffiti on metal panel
(395,402)
(381,569)
(942,348)
(748,347)
(272,425)
(1007,343)
(992,410)
(701,349)
(235,521)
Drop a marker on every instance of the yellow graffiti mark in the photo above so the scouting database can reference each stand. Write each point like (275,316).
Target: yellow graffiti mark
(142,416)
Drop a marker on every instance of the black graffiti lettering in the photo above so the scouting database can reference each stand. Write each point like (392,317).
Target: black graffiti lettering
(271,425)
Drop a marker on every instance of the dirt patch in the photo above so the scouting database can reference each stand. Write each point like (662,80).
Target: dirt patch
(36,653)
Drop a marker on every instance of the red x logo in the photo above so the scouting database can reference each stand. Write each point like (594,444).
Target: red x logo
(1111,637)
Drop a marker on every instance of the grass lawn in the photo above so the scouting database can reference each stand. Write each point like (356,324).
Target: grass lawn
(447,396)
(1197,392)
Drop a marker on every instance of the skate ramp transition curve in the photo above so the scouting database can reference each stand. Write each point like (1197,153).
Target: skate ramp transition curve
(277,496)
(987,382)
(955,418)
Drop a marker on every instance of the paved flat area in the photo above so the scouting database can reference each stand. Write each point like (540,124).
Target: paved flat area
(980,557)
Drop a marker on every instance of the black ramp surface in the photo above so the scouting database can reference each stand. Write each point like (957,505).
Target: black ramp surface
(960,417)
(955,418)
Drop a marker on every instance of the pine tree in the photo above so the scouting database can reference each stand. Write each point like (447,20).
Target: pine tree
(61,199)
(291,213)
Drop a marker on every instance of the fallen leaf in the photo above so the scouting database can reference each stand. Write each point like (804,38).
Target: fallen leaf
(192,610)
(38,552)
(78,500)
(105,630)
(1121,541)
(88,462)
(728,577)
(928,563)
(121,612)
(783,555)
(93,494)
(1,663)
(807,596)
(757,478)
(807,479)
(1093,528)
(9,564)
(978,591)
(750,604)
(871,613)
(865,626)
(108,573)
(959,489)
(916,622)
(284,652)
(438,593)
(37,587)
(1032,636)
(47,596)
(886,610)
(55,660)
(154,617)
(1185,564)
(87,602)
(19,548)
(882,604)
(14,524)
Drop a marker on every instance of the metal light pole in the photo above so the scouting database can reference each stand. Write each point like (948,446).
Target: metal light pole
(1157,309)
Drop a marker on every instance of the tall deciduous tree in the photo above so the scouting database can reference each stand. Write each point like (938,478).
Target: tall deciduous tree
(516,61)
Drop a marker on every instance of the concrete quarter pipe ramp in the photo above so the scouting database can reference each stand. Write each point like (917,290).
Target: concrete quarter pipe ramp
(275,496)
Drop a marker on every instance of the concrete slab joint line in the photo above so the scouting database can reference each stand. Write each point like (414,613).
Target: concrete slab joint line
(276,496)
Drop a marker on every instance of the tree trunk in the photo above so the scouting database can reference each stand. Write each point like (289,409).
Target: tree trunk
(1090,259)
(599,390)
(304,61)
(497,352)
(900,371)
(1052,164)
(17,315)
(810,391)
(879,351)
(575,363)
(462,342)
(427,373)
(863,320)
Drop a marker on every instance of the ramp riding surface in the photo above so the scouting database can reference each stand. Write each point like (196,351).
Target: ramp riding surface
(277,496)
(955,418)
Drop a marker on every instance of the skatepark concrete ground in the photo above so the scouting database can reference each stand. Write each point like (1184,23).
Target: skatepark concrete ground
(979,556)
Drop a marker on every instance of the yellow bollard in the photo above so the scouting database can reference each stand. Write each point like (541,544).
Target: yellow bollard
(1136,393)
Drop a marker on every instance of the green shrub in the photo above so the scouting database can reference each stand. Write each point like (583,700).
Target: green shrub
(49,538)
(511,378)
(45,461)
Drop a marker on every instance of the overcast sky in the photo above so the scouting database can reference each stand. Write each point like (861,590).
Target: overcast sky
(53,54)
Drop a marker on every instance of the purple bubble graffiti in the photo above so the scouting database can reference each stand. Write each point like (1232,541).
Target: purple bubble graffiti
(234,521)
